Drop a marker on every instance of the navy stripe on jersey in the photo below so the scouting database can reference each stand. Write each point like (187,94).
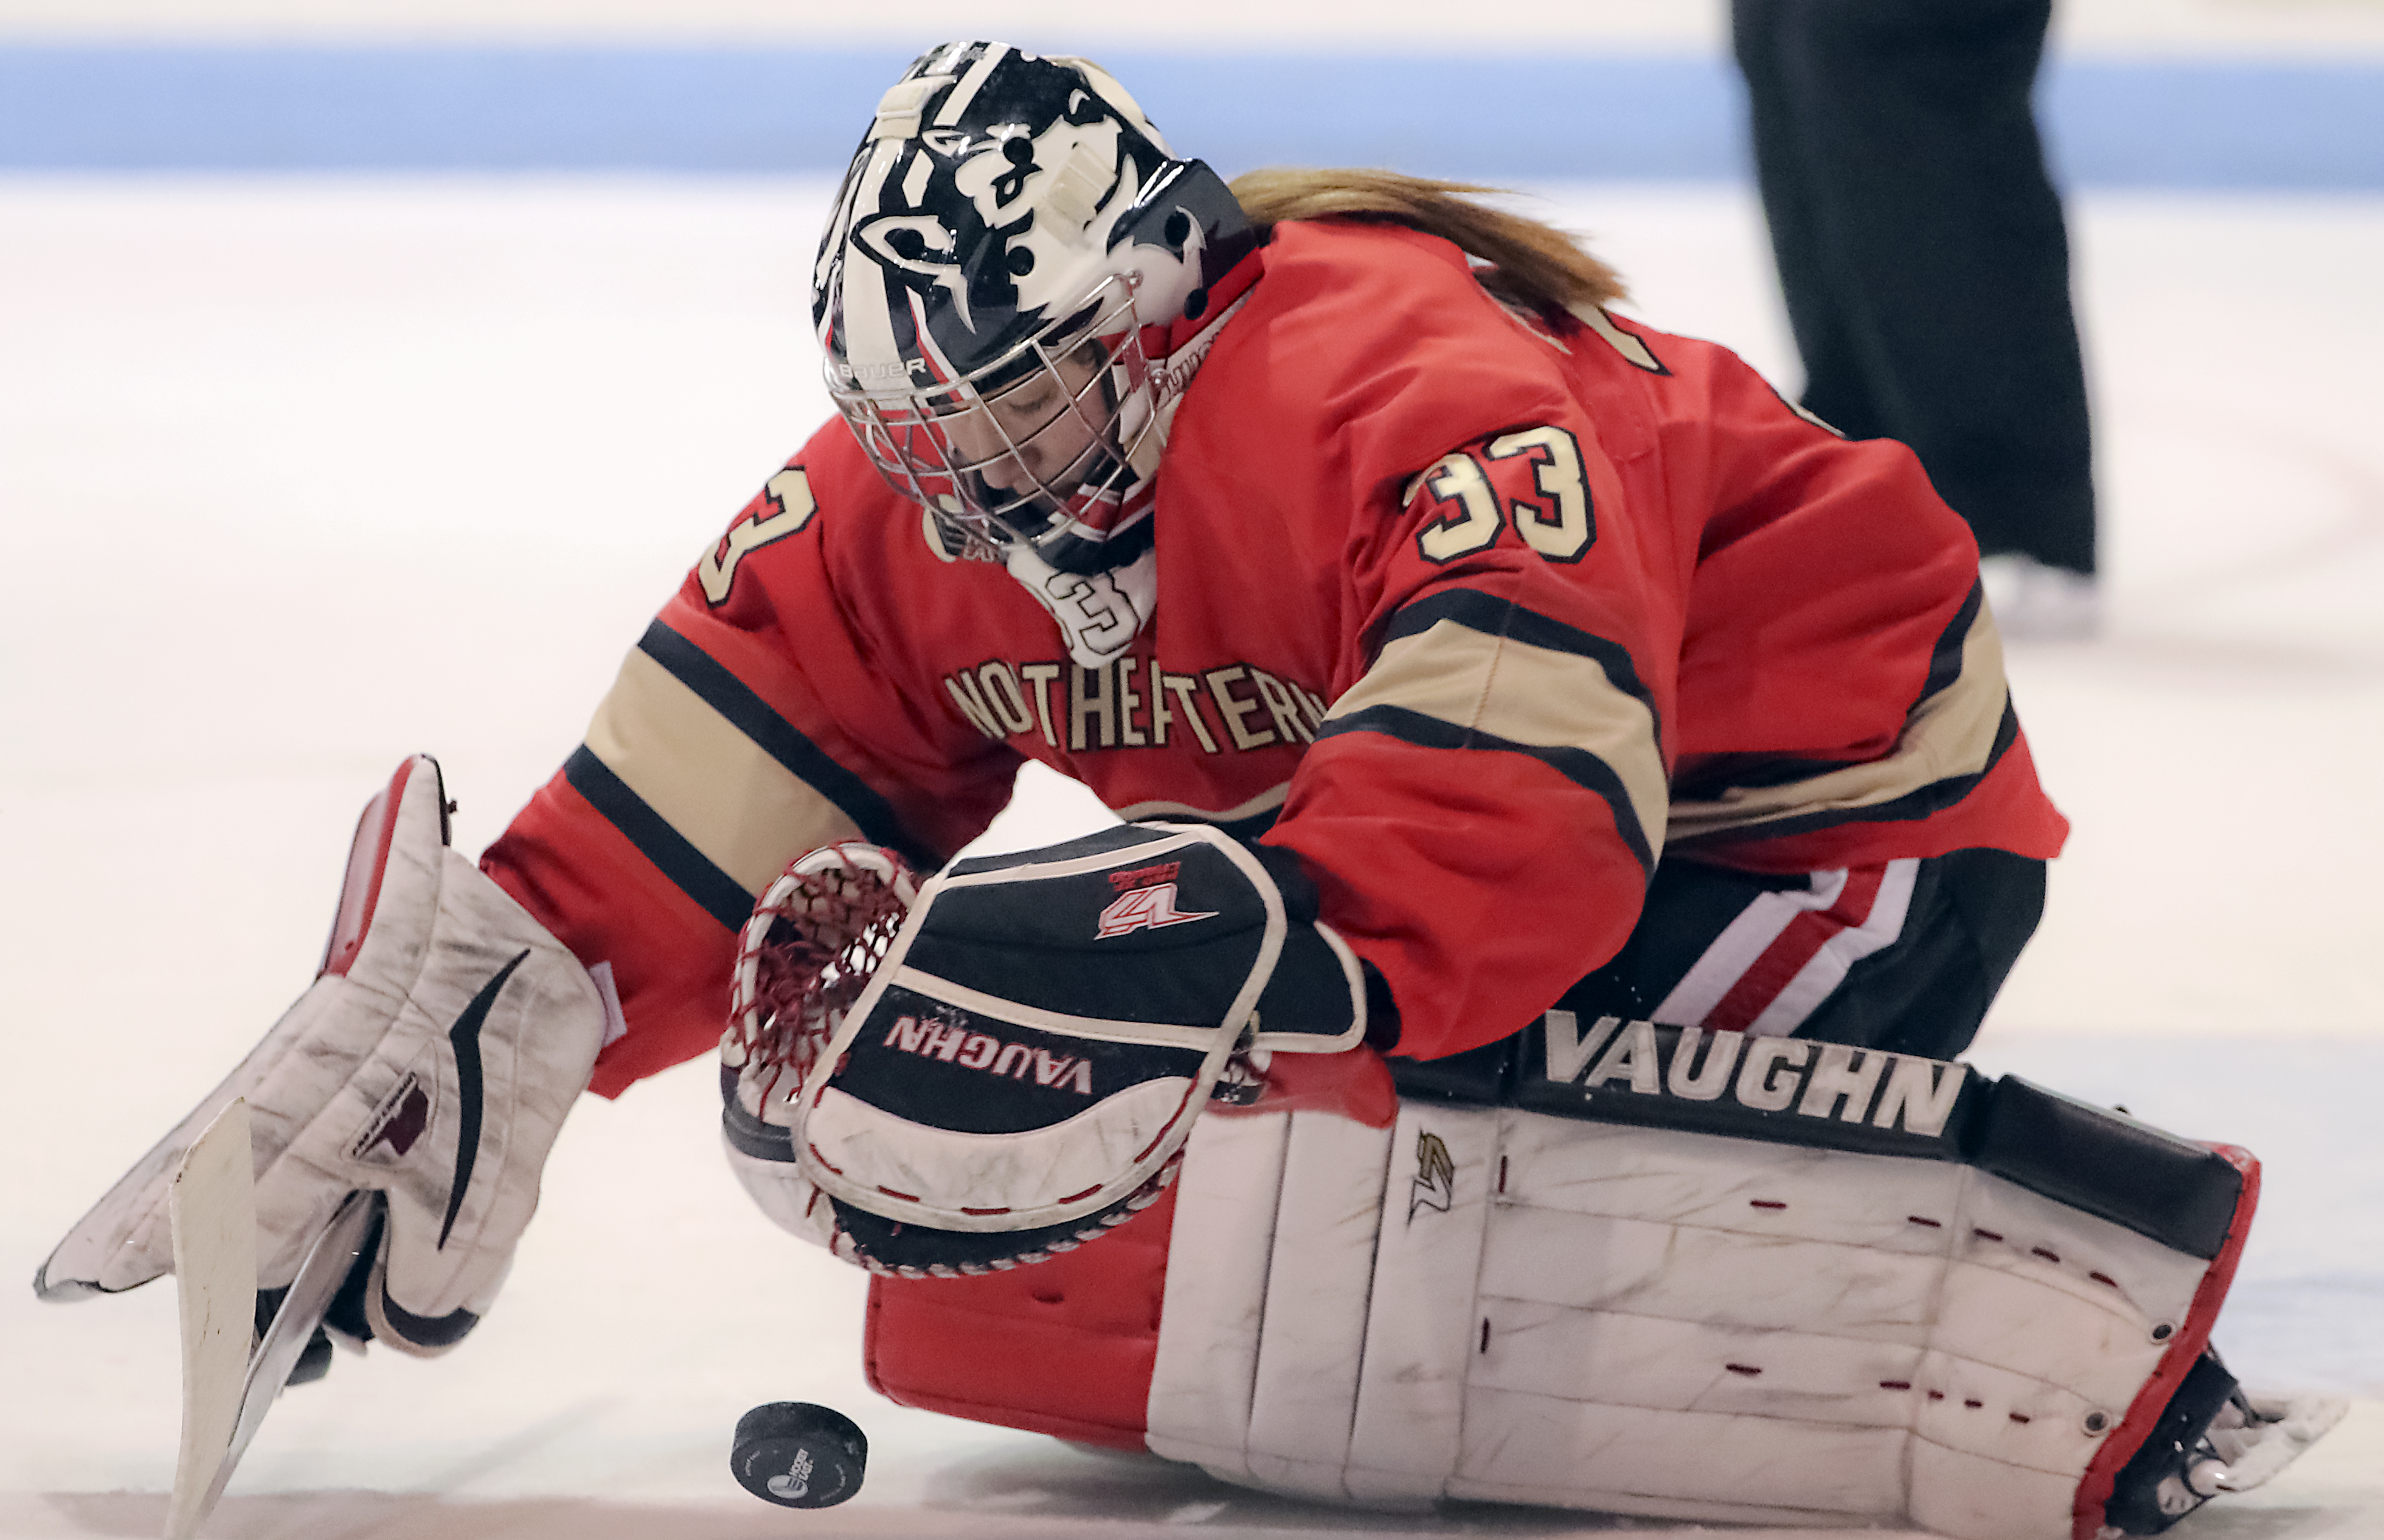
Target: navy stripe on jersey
(1920,802)
(1955,731)
(1945,658)
(1493,616)
(1577,765)
(753,716)
(1718,773)
(713,890)
(1709,776)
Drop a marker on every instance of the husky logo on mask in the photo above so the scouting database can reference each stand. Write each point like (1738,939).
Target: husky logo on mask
(1017,197)
(1013,292)
(981,216)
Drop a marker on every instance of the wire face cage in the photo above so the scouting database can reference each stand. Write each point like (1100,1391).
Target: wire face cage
(1052,440)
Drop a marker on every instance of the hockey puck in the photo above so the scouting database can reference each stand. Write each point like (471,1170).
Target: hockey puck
(798,1454)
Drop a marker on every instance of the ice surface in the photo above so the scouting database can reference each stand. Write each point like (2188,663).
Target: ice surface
(298,478)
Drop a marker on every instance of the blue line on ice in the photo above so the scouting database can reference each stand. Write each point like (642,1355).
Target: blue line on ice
(2166,123)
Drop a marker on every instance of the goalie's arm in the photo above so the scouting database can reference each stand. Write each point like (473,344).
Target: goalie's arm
(1487,797)
(460,1007)
(721,753)
(432,1060)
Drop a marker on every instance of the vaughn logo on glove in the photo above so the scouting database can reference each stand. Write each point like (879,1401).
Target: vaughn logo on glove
(1025,1064)
(946,1035)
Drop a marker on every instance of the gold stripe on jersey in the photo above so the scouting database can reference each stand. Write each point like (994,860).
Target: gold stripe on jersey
(1533,697)
(1951,737)
(722,793)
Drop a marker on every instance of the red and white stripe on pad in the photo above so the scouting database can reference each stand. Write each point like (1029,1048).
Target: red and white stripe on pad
(1776,963)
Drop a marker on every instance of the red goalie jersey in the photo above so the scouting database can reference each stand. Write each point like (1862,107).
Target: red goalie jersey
(1479,613)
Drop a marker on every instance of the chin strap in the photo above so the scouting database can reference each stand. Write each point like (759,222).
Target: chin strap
(1099,613)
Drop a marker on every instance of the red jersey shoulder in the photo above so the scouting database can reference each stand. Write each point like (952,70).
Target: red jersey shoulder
(1683,380)
(1407,306)
(1379,333)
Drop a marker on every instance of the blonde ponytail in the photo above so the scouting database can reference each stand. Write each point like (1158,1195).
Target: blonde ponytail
(1529,262)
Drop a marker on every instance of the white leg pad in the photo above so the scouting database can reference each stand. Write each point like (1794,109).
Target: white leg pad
(1203,1378)
(1420,1340)
(1501,1305)
(1311,1341)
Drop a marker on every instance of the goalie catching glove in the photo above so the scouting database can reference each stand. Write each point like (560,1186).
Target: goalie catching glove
(432,1060)
(1011,1063)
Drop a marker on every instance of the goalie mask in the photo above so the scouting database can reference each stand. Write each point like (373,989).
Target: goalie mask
(1005,293)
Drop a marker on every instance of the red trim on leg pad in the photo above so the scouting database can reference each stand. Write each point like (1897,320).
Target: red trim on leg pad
(2184,1349)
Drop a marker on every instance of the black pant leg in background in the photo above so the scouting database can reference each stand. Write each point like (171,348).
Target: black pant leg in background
(1922,249)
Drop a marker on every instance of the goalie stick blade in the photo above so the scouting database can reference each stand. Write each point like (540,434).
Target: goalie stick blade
(211,1206)
(277,1352)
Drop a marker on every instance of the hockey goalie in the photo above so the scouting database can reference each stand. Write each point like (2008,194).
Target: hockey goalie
(1572,822)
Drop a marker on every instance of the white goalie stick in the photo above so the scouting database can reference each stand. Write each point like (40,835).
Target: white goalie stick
(229,1385)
